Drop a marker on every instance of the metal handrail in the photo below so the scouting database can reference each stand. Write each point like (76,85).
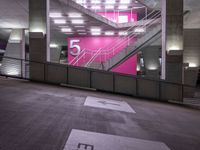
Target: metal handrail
(117,41)
(120,44)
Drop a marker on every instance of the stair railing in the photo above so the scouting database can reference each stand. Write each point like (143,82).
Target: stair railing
(129,38)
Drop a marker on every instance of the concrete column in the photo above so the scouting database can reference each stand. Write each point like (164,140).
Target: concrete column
(151,56)
(39,38)
(172,40)
(12,63)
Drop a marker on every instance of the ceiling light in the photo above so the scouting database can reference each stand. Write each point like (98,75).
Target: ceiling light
(66,29)
(59,21)
(109,33)
(123,7)
(78,21)
(109,7)
(139,30)
(95,1)
(79,26)
(75,15)
(55,15)
(96,7)
(110,1)
(81,1)
(125,1)
(82,33)
(123,33)
(53,45)
(96,33)
(95,29)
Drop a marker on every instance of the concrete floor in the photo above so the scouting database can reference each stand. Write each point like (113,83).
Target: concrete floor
(37,116)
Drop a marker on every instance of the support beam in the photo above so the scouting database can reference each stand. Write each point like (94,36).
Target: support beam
(172,40)
(39,37)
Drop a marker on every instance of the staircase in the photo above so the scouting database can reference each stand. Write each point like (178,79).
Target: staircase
(132,49)
(100,18)
(110,56)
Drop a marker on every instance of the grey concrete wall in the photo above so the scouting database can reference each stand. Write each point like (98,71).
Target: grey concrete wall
(192,47)
(15,49)
(151,57)
(55,55)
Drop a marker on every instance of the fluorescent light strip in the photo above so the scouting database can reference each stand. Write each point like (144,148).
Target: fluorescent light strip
(75,15)
(55,15)
(59,21)
(82,33)
(81,1)
(77,21)
(125,1)
(96,33)
(95,1)
(110,1)
(123,7)
(66,29)
(121,33)
(109,7)
(96,7)
(95,29)
(79,26)
(109,33)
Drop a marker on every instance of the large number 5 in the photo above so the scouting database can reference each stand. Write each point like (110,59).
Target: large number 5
(72,46)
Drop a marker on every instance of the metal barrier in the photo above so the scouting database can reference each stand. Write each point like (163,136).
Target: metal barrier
(92,78)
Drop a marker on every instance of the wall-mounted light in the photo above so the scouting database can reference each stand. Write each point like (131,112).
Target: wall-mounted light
(81,1)
(95,1)
(139,30)
(53,45)
(193,65)
(96,33)
(95,29)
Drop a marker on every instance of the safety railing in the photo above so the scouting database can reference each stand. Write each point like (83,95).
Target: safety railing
(92,78)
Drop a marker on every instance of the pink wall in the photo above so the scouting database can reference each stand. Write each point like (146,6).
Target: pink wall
(128,67)
(92,44)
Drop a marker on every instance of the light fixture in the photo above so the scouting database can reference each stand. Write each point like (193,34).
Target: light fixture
(139,30)
(192,65)
(109,33)
(125,1)
(123,7)
(75,15)
(122,33)
(96,33)
(110,1)
(66,30)
(55,15)
(60,21)
(81,1)
(109,7)
(79,26)
(79,21)
(81,31)
(95,1)
(96,7)
(52,45)
(95,29)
